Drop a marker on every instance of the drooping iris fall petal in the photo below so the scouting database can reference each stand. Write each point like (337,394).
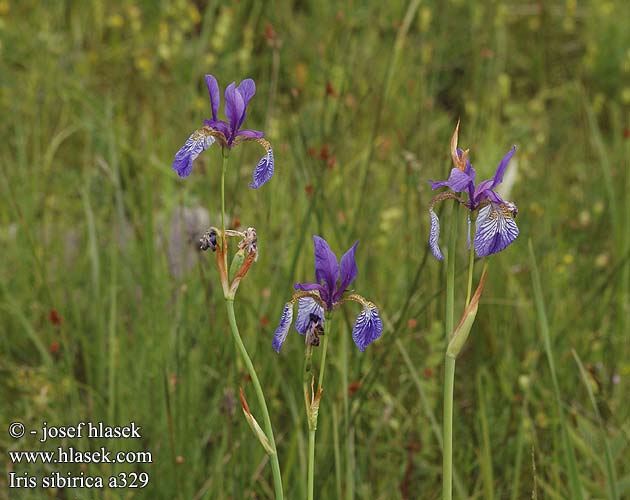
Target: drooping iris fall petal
(367,327)
(306,307)
(280,335)
(495,229)
(263,171)
(192,148)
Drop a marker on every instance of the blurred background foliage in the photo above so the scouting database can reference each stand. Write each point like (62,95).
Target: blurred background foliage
(107,311)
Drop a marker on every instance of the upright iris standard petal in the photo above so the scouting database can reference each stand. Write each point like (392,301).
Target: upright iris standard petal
(234,107)
(434,235)
(485,189)
(247,89)
(215,96)
(367,327)
(306,307)
(198,142)
(495,228)
(498,175)
(326,267)
(280,335)
(347,271)
(263,171)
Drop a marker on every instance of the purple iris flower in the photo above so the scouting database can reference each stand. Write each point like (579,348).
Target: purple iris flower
(495,225)
(229,133)
(329,290)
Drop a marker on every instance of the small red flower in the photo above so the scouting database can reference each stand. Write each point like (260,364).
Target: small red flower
(353,387)
(54,317)
(270,34)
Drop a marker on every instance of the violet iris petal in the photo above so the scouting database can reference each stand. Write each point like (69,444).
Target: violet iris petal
(234,109)
(194,146)
(250,134)
(237,99)
(495,225)
(263,171)
(215,96)
(247,89)
(484,190)
(434,236)
(347,271)
(498,175)
(495,229)
(219,125)
(458,181)
(367,327)
(333,278)
(306,307)
(326,268)
(280,335)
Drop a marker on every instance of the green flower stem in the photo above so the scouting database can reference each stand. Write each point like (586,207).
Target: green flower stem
(471,267)
(275,464)
(312,416)
(229,304)
(311,462)
(308,375)
(450,275)
(322,363)
(226,157)
(447,461)
(449,366)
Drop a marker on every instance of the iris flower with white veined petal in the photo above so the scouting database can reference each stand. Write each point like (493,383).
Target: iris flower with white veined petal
(229,133)
(495,227)
(326,293)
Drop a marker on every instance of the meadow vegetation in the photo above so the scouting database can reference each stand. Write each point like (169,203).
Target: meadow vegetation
(109,313)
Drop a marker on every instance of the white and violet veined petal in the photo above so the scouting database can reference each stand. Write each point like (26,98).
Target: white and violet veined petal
(280,335)
(434,235)
(495,228)
(367,327)
(306,307)
(198,142)
(264,170)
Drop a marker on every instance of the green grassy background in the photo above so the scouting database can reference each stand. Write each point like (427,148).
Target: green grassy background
(359,100)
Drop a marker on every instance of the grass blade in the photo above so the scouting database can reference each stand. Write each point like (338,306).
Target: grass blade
(611,479)
(569,453)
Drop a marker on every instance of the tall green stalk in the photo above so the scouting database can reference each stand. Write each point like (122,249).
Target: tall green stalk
(313,409)
(447,458)
(471,267)
(575,484)
(449,365)
(275,464)
(449,359)
(229,304)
